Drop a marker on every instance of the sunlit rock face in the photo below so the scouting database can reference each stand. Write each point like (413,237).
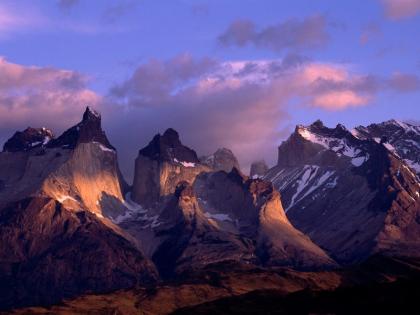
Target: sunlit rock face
(342,189)
(56,198)
(221,160)
(161,165)
(78,169)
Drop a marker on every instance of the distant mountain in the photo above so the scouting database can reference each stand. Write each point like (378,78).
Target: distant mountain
(353,194)
(221,160)
(258,169)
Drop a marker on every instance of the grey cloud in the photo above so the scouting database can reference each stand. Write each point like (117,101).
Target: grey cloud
(153,82)
(310,32)
(403,82)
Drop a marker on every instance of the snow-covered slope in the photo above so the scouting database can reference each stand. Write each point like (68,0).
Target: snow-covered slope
(338,187)
(399,137)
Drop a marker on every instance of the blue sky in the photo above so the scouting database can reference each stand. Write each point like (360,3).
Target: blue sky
(367,55)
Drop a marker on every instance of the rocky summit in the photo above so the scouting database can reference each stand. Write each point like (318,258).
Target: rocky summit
(339,211)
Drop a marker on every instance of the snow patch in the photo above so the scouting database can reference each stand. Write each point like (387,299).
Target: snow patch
(358,161)
(184,163)
(136,211)
(218,216)
(63,198)
(415,166)
(309,172)
(104,148)
(337,145)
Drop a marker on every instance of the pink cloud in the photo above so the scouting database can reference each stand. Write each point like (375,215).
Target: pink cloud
(40,96)
(338,100)
(400,9)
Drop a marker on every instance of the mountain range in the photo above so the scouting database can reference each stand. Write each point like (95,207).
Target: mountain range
(189,230)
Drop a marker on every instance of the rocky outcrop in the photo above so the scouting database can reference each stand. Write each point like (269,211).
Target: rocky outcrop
(340,190)
(221,160)
(161,165)
(258,169)
(28,139)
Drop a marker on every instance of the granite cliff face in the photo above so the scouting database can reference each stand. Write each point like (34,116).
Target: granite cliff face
(352,195)
(55,200)
(160,166)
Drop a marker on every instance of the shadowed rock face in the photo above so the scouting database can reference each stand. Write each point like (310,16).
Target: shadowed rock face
(28,139)
(221,160)
(168,147)
(226,217)
(48,252)
(340,189)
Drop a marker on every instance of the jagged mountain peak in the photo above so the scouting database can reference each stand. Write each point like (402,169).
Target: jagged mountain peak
(28,139)
(317,123)
(171,136)
(401,138)
(168,147)
(88,130)
(319,129)
(307,142)
(91,114)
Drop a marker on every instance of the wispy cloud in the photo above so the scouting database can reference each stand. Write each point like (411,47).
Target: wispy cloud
(310,32)
(13,20)
(23,20)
